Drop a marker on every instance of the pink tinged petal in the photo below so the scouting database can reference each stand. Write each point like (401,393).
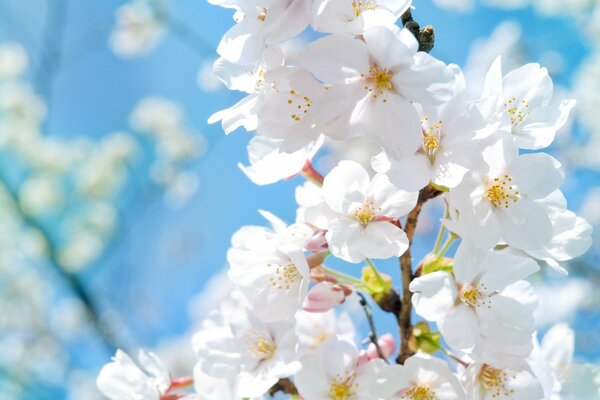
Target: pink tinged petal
(336,59)
(535,175)
(323,297)
(386,343)
(500,269)
(506,321)
(345,187)
(526,225)
(388,199)
(434,295)
(460,328)
(382,240)
(411,173)
(243,113)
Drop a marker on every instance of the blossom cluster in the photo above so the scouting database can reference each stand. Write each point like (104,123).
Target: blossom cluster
(365,80)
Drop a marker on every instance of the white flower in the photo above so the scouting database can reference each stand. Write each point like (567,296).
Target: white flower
(446,152)
(312,208)
(13,60)
(333,372)
(314,329)
(241,347)
(571,235)
(486,382)
(269,163)
(123,378)
(259,23)
(156,114)
(352,18)
(249,79)
(365,208)
(523,98)
(476,308)
(501,203)
(421,377)
(374,82)
(209,387)
(290,107)
(271,268)
(138,29)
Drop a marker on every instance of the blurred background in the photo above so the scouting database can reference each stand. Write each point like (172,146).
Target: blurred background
(117,200)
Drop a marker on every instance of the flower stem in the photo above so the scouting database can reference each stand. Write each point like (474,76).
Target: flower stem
(343,276)
(447,245)
(440,235)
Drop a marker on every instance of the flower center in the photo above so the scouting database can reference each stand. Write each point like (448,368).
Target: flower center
(380,81)
(431,135)
(501,193)
(362,6)
(260,344)
(342,387)
(472,296)
(284,276)
(365,213)
(496,381)
(418,392)
(300,104)
(517,110)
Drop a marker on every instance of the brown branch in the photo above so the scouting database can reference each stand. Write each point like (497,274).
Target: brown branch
(404,315)
(284,385)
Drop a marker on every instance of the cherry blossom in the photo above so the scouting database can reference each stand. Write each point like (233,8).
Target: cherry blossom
(500,203)
(354,17)
(421,377)
(374,81)
(477,305)
(271,268)
(523,99)
(365,210)
(333,372)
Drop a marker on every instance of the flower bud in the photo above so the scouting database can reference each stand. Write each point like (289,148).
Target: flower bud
(323,297)
(386,344)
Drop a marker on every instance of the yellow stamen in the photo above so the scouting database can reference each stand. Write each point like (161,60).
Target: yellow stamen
(342,387)
(501,193)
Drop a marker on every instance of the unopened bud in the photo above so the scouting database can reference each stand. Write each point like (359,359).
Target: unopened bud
(323,297)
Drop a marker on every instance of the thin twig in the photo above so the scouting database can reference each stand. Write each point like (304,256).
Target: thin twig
(373,332)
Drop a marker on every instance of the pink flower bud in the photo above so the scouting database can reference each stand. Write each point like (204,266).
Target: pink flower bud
(363,357)
(317,242)
(323,297)
(386,344)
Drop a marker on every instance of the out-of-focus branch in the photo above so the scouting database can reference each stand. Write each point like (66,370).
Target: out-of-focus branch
(50,59)
(404,316)
(71,280)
